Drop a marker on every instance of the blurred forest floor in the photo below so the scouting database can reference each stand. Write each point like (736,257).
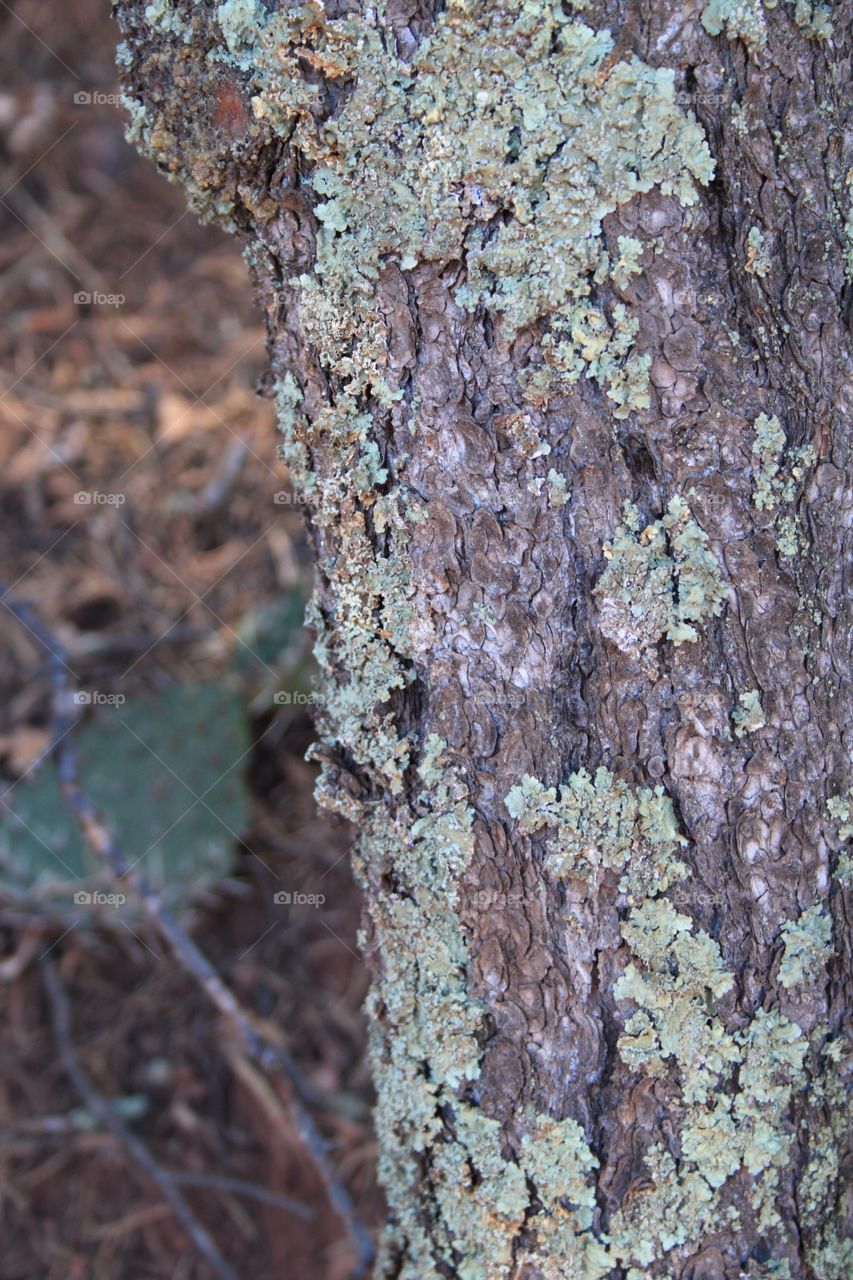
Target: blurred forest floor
(138,482)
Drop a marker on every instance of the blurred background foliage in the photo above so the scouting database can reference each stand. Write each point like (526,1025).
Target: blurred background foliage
(145,516)
(168,770)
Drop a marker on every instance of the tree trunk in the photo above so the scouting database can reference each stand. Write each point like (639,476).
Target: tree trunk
(558,332)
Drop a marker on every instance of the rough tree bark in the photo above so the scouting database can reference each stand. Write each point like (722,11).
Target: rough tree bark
(558,301)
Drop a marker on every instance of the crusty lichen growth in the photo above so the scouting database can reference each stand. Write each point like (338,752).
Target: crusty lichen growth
(742,19)
(484,1192)
(748,716)
(678,971)
(813,19)
(808,946)
(601,823)
(767,447)
(504,109)
(162,14)
(839,810)
(829,1253)
(627,264)
(735,1085)
(738,1085)
(433,1047)
(660,580)
(780,475)
(848,229)
(558,493)
(757,257)
(745,19)
(680,975)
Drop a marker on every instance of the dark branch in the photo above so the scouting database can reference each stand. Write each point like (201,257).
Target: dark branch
(109,1118)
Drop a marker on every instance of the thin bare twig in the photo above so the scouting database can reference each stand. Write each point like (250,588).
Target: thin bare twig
(44,1130)
(239,1187)
(258,1042)
(218,490)
(54,239)
(165,1184)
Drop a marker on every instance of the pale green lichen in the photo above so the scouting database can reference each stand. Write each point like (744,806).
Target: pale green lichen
(557,1163)
(163,15)
(596,824)
(681,975)
(481,1195)
(627,264)
(745,20)
(748,717)
(483,1191)
(742,19)
(421,993)
(757,257)
(239,22)
(599,346)
(808,946)
(601,823)
(736,1086)
(557,1160)
(729,1125)
(767,448)
(558,493)
(679,971)
(367,635)
(789,540)
(813,18)
(838,808)
(829,1253)
(781,474)
(515,122)
(658,583)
